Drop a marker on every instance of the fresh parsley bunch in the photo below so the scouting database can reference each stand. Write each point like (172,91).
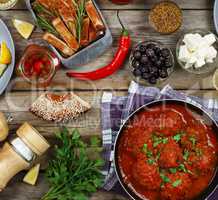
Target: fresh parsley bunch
(72,175)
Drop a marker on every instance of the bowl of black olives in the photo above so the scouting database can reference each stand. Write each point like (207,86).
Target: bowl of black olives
(151,62)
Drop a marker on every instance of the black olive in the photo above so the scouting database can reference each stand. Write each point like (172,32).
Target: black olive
(157,51)
(137,55)
(144,69)
(158,63)
(137,72)
(163,73)
(153,69)
(142,48)
(154,59)
(145,76)
(144,59)
(165,53)
(152,80)
(151,46)
(150,53)
(135,63)
(168,63)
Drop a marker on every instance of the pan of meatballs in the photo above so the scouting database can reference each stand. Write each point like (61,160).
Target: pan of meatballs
(167,150)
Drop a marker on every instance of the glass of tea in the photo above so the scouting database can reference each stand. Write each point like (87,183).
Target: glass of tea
(38,65)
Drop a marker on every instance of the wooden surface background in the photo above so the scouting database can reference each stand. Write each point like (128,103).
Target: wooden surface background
(19,94)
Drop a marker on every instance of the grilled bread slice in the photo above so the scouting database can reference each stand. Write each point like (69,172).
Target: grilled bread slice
(94,16)
(59,44)
(59,108)
(65,34)
(85,32)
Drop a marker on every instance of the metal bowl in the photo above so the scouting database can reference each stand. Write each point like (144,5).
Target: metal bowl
(197,111)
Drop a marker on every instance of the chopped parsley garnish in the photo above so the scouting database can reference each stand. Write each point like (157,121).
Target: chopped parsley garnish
(157,156)
(182,168)
(151,161)
(186,154)
(177,137)
(145,150)
(198,152)
(177,183)
(193,140)
(158,140)
(173,170)
(164,178)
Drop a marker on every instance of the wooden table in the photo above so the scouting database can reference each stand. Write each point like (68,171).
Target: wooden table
(19,95)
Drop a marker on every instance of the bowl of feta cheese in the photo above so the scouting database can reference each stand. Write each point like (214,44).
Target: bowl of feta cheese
(196,51)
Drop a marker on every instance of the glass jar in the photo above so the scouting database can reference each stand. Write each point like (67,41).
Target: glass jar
(38,65)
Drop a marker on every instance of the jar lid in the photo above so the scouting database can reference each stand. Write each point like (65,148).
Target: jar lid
(33,139)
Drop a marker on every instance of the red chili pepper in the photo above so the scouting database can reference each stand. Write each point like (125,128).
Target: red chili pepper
(116,63)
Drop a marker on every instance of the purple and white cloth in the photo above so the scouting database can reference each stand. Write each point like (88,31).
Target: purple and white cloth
(115,109)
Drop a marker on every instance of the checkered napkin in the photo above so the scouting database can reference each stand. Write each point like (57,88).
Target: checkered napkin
(114,110)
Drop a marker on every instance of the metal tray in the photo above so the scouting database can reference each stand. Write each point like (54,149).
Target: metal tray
(87,54)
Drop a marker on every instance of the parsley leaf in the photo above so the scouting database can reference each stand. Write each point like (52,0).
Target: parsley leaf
(164,178)
(151,161)
(173,170)
(72,174)
(193,140)
(186,154)
(177,183)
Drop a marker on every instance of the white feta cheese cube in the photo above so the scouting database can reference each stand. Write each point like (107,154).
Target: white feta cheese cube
(209,39)
(192,41)
(184,54)
(211,53)
(188,65)
(192,59)
(200,63)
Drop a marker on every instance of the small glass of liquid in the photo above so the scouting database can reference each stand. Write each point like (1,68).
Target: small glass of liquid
(7,4)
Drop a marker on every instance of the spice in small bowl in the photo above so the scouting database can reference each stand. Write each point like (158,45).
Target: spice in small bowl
(151,63)
(165,17)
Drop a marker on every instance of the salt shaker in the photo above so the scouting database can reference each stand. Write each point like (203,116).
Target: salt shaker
(20,153)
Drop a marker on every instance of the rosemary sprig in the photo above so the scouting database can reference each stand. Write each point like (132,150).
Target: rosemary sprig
(81,13)
(44,24)
(41,9)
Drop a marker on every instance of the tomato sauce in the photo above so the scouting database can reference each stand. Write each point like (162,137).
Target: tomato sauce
(167,153)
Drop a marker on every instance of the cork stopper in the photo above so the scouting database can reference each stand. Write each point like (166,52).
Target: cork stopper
(33,139)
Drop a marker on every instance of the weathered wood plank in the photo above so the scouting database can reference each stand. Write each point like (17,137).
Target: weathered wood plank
(141,4)
(17,190)
(139,31)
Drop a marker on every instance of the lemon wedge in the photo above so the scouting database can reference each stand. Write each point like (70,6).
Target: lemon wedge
(24,28)
(32,176)
(2,68)
(5,54)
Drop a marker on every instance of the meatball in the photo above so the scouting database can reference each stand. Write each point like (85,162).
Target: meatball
(177,188)
(203,158)
(171,155)
(147,175)
(134,144)
(194,134)
(169,122)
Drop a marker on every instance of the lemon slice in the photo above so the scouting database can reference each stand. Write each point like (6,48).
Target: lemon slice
(2,69)
(5,54)
(24,28)
(32,176)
